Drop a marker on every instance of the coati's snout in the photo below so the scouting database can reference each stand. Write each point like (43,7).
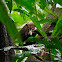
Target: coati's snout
(32,32)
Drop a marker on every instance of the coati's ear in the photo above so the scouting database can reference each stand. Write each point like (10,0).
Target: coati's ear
(26,25)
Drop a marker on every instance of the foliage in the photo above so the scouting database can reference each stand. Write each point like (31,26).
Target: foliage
(23,11)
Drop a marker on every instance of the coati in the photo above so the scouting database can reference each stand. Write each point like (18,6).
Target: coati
(28,30)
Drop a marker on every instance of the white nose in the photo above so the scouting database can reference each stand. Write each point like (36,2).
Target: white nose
(30,32)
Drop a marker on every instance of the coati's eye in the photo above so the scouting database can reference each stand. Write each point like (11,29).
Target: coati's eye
(28,29)
(32,28)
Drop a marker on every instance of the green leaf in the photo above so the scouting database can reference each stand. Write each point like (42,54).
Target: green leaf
(9,4)
(40,41)
(27,4)
(58,28)
(51,12)
(55,41)
(5,19)
(46,20)
(42,4)
(58,1)
(21,18)
(53,53)
(40,29)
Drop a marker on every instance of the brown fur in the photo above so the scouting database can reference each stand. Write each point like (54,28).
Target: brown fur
(24,32)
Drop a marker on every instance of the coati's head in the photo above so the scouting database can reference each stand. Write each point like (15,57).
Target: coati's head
(31,29)
(28,30)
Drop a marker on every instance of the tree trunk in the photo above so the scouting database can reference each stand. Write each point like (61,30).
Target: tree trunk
(5,41)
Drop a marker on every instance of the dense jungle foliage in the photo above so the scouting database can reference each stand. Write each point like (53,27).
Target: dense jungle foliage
(45,14)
